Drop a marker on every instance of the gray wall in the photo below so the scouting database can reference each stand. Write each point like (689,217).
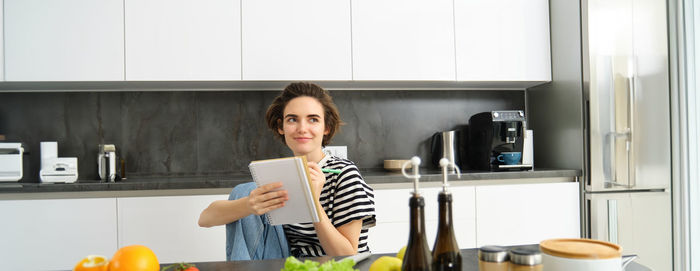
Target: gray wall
(555,110)
(188,133)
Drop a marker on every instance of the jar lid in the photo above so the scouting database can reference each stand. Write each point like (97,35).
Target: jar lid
(493,254)
(525,256)
(581,248)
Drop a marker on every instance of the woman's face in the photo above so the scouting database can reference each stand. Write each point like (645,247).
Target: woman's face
(303,125)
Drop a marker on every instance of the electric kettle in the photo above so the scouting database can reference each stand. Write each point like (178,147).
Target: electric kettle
(107,162)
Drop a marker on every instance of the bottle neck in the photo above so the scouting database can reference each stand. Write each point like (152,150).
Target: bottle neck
(417,206)
(445,210)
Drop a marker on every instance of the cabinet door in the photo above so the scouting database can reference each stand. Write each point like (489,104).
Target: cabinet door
(526,213)
(296,40)
(2,45)
(502,40)
(56,234)
(183,40)
(391,206)
(403,40)
(168,225)
(70,40)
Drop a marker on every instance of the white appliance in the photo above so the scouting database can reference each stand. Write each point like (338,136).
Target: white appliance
(628,165)
(11,162)
(56,169)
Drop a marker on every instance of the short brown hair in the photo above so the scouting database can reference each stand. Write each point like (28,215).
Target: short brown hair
(331,116)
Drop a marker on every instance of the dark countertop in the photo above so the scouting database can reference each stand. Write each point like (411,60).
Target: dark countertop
(372,177)
(469,263)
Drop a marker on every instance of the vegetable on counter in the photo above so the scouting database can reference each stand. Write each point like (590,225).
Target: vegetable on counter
(181,267)
(292,264)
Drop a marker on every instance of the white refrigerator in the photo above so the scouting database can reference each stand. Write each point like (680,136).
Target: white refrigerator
(627,198)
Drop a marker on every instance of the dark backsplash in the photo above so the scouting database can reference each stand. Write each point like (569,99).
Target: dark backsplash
(195,133)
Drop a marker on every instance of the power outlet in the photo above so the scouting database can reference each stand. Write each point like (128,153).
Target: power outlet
(337,151)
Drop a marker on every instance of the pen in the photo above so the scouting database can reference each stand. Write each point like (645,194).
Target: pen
(328,170)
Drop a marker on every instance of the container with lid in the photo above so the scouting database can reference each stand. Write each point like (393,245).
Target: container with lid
(493,258)
(525,259)
(581,255)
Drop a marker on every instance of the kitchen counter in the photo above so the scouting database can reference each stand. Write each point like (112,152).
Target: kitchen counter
(377,178)
(469,263)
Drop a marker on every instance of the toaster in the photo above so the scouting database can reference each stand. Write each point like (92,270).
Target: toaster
(11,162)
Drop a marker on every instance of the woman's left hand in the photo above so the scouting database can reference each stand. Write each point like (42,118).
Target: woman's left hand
(317,179)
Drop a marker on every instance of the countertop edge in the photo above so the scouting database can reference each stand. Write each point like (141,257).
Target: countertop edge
(177,186)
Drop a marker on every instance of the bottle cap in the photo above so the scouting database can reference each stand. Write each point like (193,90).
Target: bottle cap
(525,256)
(493,254)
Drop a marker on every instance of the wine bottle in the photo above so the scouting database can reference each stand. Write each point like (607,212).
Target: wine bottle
(417,257)
(446,255)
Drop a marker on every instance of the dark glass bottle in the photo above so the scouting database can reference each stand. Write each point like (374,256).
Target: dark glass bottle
(446,255)
(417,255)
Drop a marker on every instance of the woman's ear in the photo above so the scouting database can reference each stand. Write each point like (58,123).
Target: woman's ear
(328,131)
(279,127)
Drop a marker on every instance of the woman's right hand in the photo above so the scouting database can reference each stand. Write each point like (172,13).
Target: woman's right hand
(263,199)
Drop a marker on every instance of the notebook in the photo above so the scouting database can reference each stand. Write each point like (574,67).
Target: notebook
(293,172)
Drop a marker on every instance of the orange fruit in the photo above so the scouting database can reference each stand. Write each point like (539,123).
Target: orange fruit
(134,258)
(92,263)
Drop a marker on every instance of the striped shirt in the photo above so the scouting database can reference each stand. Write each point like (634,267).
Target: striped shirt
(345,197)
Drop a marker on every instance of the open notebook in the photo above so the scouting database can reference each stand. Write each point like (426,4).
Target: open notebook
(294,175)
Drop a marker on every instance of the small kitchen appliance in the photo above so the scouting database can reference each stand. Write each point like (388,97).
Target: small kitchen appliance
(496,132)
(107,162)
(56,169)
(11,162)
(446,145)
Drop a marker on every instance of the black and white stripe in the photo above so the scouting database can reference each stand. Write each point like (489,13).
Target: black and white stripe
(345,197)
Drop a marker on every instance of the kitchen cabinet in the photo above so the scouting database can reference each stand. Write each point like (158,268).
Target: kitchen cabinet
(2,45)
(160,222)
(56,234)
(403,40)
(296,40)
(392,212)
(182,40)
(526,213)
(70,40)
(502,40)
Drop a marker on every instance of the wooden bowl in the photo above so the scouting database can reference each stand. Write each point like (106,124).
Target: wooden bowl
(395,165)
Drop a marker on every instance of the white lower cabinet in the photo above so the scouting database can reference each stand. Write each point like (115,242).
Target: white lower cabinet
(514,214)
(526,213)
(56,234)
(391,206)
(168,225)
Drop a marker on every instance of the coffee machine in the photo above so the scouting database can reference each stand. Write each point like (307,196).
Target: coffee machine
(496,141)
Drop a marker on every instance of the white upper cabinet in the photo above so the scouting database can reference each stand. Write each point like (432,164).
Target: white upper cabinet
(2,49)
(68,40)
(502,40)
(403,40)
(171,40)
(296,40)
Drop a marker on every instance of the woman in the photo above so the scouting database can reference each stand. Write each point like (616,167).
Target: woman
(305,118)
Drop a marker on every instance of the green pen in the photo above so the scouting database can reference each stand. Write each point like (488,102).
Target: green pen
(328,170)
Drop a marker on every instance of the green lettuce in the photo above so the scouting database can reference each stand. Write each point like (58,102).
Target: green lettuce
(293,264)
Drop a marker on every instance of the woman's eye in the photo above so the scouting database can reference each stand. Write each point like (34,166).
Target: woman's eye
(291,120)
(314,120)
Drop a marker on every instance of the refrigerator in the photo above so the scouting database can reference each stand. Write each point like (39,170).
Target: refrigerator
(627,196)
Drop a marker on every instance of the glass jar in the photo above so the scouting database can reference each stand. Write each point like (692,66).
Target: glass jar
(493,258)
(525,259)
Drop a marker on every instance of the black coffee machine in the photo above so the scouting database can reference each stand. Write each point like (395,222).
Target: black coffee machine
(492,134)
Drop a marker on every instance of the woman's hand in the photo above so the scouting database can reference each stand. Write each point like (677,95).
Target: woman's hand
(263,199)
(317,179)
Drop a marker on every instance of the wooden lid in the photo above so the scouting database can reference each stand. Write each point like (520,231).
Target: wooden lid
(581,249)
